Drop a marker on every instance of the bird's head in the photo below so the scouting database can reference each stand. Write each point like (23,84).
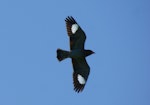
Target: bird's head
(88,52)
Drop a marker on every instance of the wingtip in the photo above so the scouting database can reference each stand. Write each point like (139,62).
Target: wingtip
(70,19)
(77,86)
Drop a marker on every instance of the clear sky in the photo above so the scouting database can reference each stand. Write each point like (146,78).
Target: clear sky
(117,30)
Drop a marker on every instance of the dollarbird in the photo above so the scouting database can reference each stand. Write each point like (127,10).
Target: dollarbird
(77,54)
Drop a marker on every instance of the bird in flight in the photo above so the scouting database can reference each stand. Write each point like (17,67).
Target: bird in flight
(77,54)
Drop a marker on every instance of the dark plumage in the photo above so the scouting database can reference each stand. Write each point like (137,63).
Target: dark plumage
(77,53)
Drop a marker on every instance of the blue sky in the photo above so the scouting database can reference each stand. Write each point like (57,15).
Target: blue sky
(117,30)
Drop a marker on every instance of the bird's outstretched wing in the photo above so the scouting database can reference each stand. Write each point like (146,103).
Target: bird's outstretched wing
(80,74)
(76,34)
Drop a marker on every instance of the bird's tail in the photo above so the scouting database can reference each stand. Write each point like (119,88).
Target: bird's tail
(62,54)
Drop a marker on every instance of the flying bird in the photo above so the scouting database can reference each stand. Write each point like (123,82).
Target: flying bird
(77,54)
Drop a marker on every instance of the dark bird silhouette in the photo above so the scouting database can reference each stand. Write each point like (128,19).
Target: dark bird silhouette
(77,53)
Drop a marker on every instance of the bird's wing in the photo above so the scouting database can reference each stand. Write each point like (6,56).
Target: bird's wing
(76,34)
(80,74)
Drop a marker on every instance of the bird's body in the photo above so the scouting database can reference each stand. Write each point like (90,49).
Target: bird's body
(77,53)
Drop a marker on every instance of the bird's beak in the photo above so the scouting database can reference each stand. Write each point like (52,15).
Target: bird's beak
(93,52)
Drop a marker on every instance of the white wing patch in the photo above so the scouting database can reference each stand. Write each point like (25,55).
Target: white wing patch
(74,28)
(81,79)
